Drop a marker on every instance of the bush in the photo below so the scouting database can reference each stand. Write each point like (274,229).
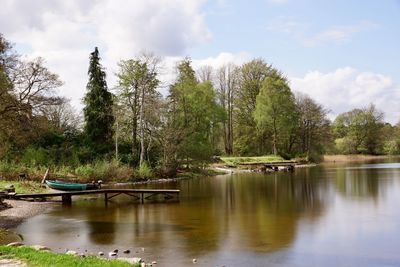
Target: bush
(105,170)
(144,172)
(36,157)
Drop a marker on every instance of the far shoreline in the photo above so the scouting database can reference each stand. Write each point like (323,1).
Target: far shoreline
(355,158)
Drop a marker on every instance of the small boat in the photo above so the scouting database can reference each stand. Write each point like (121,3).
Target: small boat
(64,186)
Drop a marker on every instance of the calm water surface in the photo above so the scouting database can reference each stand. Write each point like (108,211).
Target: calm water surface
(330,215)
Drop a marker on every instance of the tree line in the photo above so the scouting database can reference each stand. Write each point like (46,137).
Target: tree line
(244,110)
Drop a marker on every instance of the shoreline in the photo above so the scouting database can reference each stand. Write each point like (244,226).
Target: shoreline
(355,158)
(20,211)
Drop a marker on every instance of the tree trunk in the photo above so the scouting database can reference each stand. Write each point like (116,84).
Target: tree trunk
(274,139)
(141,120)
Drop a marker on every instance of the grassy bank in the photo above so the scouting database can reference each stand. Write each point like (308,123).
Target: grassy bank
(107,171)
(235,161)
(24,186)
(43,258)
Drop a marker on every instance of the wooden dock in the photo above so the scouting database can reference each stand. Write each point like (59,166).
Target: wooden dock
(273,166)
(66,197)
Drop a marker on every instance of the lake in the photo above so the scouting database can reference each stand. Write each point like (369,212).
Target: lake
(328,215)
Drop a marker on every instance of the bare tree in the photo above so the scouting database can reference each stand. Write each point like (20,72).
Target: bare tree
(205,73)
(34,86)
(62,116)
(227,82)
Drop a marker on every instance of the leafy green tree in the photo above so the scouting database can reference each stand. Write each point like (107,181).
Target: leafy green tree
(275,112)
(251,76)
(193,113)
(359,131)
(98,102)
(138,97)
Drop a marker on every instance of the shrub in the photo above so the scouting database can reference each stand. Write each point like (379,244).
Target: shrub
(144,172)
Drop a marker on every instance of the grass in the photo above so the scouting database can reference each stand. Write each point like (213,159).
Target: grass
(24,186)
(235,161)
(108,171)
(43,258)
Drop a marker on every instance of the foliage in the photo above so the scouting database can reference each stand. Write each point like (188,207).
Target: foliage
(98,102)
(246,110)
(313,133)
(43,258)
(137,105)
(359,131)
(193,114)
(275,112)
(144,172)
(104,170)
(251,76)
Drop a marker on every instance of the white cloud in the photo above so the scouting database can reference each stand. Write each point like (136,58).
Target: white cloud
(222,59)
(338,34)
(347,88)
(301,31)
(65,32)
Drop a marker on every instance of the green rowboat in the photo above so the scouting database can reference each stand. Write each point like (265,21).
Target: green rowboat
(64,186)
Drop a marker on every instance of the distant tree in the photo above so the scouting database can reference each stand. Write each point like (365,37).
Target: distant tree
(34,86)
(226,87)
(62,116)
(137,95)
(193,114)
(98,102)
(313,132)
(251,76)
(359,130)
(275,110)
(205,73)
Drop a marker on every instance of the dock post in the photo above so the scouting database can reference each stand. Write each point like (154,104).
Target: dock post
(106,199)
(66,199)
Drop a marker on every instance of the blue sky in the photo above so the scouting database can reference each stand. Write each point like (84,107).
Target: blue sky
(342,53)
(278,30)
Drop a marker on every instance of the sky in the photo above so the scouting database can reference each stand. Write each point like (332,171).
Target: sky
(344,54)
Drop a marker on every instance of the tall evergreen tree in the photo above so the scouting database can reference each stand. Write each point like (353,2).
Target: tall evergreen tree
(98,102)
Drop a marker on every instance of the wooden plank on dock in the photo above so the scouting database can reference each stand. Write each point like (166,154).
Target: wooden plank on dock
(67,196)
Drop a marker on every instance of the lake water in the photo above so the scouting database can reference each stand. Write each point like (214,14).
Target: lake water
(329,215)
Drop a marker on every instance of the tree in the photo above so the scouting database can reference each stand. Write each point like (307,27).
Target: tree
(227,83)
(26,89)
(138,96)
(358,131)
(98,102)
(250,79)
(62,116)
(313,129)
(275,109)
(193,113)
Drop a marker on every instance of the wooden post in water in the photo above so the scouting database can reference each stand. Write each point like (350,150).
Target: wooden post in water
(66,199)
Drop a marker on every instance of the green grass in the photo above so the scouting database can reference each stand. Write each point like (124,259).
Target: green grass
(24,186)
(235,161)
(43,258)
(108,171)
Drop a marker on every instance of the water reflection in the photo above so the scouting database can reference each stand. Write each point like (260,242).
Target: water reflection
(225,218)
